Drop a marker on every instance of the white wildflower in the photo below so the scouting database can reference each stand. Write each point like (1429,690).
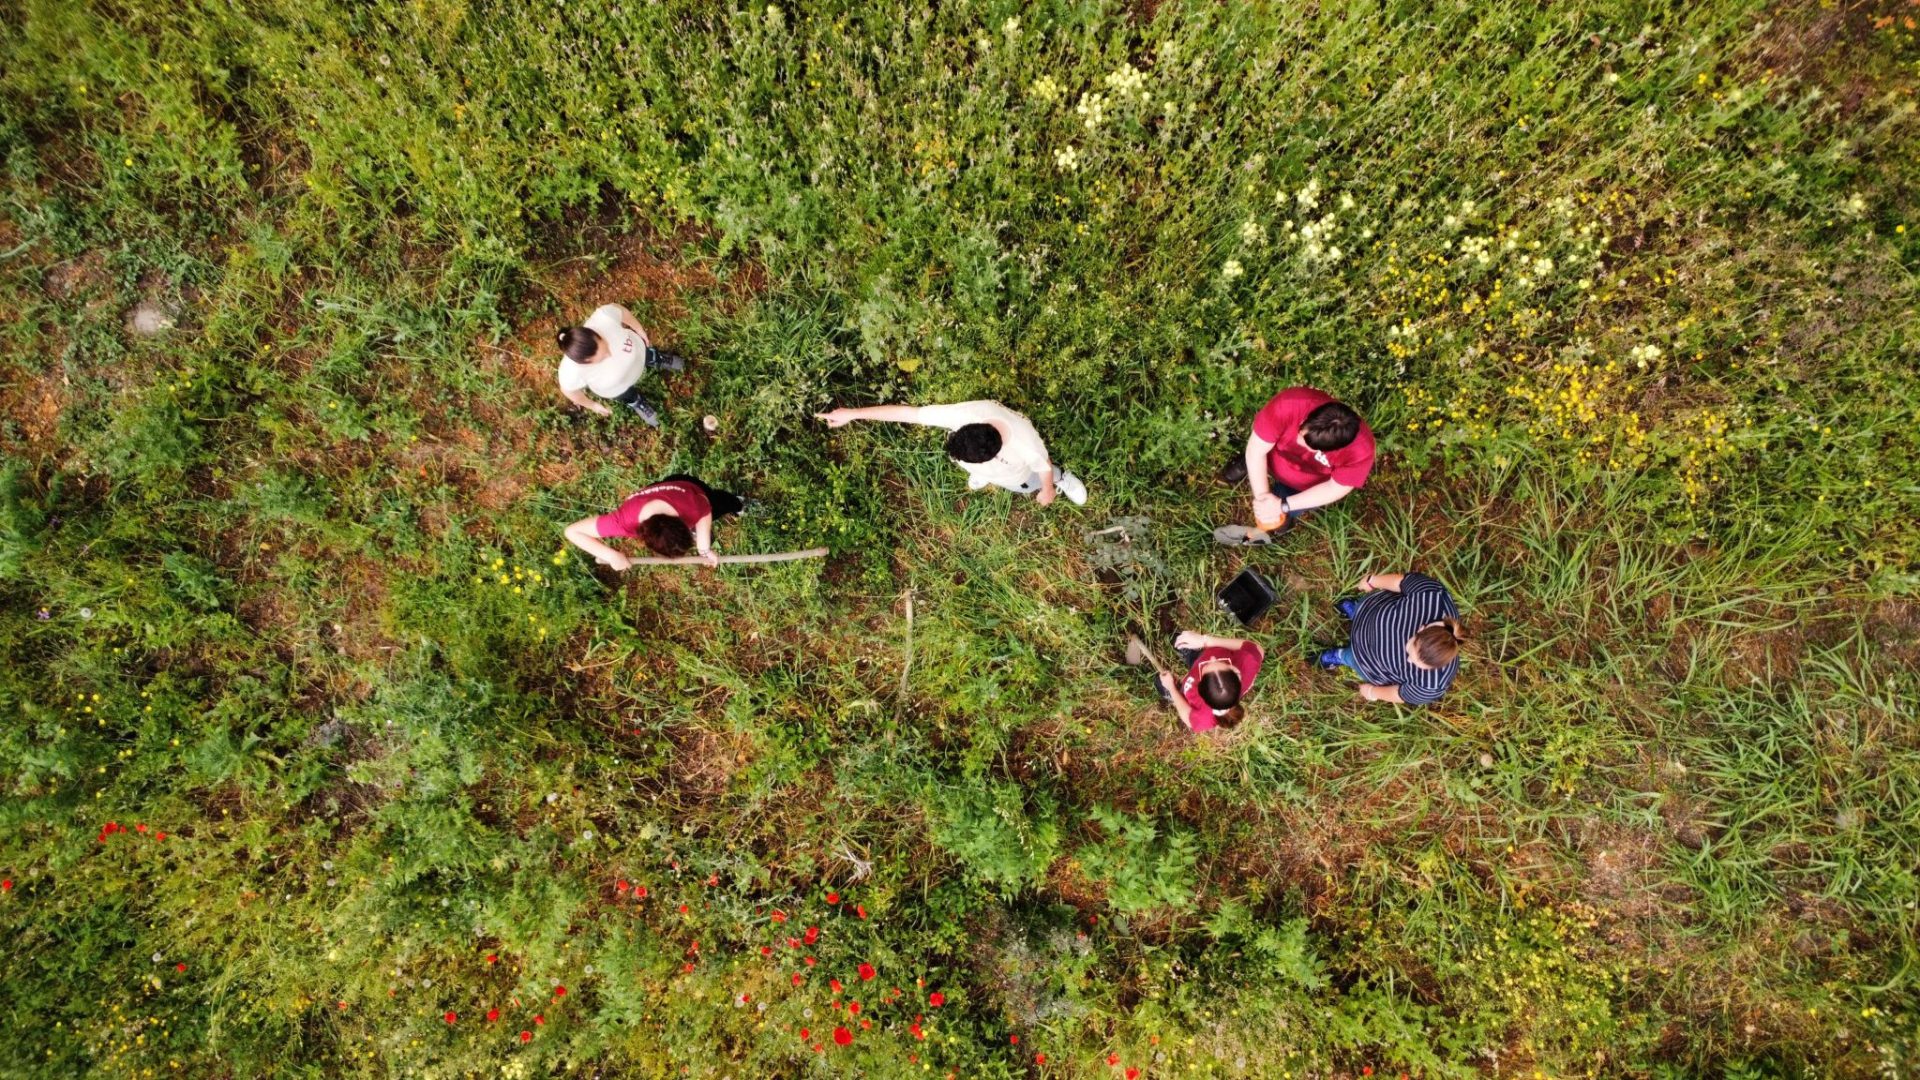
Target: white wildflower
(1092,110)
(1232,269)
(776,19)
(1126,81)
(1346,201)
(1045,89)
(1011,27)
(1252,232)
(1067,160)
(1309,196)
(1542,267)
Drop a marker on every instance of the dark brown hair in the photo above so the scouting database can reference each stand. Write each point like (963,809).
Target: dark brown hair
(578,342)
(1438,646)
(1330,427)
(665,534)
(1231,718)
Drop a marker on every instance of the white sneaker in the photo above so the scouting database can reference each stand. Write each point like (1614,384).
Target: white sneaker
(1070,486)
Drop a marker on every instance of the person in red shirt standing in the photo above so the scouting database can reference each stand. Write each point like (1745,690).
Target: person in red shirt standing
(1306,451)
(670,517)
(1220,671)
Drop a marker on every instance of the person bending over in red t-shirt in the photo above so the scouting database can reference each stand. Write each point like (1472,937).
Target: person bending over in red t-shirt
(1306,451)
(670,517)
(1220,671)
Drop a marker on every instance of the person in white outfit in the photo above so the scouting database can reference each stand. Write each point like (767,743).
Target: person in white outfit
(607,355)
(994,444)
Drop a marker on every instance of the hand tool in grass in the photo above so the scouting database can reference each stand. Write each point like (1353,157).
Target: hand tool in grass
(695,560)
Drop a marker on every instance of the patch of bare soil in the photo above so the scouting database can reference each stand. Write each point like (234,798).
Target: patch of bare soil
(1821,43)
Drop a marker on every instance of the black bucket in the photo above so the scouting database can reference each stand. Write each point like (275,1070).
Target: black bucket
(1247,597)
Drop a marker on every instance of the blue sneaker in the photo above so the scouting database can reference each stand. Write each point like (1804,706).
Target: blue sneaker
(1331,660)
(1348,607)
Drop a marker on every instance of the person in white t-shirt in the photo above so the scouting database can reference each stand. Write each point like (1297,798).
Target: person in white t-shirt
(994,444)
(608,355)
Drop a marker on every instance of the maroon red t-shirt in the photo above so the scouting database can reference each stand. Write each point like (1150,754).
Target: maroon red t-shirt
(1298,467)
(1246,660)
(688,502)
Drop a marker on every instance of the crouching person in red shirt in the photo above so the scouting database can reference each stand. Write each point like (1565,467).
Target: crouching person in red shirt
(1220,671)
(1306,451)
(670,517)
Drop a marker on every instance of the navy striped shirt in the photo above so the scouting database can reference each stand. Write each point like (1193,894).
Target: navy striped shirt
(1386,621)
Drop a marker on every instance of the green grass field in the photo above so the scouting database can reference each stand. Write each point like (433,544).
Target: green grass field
(324,756)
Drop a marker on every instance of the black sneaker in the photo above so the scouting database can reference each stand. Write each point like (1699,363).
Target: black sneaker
(1234,472)
(662,360)
(644,409)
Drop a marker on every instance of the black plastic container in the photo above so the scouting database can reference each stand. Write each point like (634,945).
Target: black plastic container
(1247,597)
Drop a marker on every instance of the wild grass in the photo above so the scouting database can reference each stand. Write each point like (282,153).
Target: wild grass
(1626,291)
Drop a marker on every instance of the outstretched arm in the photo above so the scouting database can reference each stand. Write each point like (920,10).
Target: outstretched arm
(1177,699)
(585,535)
(899,414)
(1389,582)
(1370,692)
(1266,505)
(1188,639)
(703,540)
(1324,493)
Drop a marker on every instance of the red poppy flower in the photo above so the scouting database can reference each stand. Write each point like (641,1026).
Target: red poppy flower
(805,1034)
(853,1008)
(1014,1039)
(866,972)
(1113,1059)
(917,1033)
(1133,1074)
(793,943)
(621,885)
(936,999)
(492,1015)
(526,1036)
(833,898)
(451,1016)
(813,934)
(779,916)
(766,950)
(810,961)
(141,827)
(796,978)
(559,991)
(835,984)
(159,836)
(842,1036)
(1039,1059)
(1366,1070)
(640,891)
(683,909)
(866,1025)
(538,1020)
(492,958)
(860,911)
(686,967)
(179,967)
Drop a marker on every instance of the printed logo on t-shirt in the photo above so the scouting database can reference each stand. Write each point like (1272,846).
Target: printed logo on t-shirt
(1322,459)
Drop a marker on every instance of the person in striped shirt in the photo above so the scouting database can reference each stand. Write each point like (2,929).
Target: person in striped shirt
(1406,639)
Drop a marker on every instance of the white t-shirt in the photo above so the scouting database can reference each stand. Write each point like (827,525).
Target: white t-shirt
(626,357)
(1022,454)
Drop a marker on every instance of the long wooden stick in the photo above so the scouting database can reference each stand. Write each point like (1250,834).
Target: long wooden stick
(766,557)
